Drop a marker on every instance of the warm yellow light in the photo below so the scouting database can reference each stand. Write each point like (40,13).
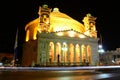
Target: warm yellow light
(27,35)
(87,33)
(47,22)
(65,49)
(35,33)
(60,33)
(71,33)
(58,28)
(34,38)
(60,22)
(82,36)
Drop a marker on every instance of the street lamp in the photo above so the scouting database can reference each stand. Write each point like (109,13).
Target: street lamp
(100,50)
(64,49)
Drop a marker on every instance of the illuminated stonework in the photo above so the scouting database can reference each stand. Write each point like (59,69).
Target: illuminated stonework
(57,21)
(57,39)
(89,23)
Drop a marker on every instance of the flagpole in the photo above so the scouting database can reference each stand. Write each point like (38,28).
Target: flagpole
(15,47)
(100,39)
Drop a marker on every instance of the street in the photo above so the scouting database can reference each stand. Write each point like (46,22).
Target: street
(57,75)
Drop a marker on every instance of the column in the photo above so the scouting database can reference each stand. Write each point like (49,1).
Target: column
(80,56)
(47,53)
(68,54)
(39,53)
(62,52)
(86,53)
(74,54)
(55,53)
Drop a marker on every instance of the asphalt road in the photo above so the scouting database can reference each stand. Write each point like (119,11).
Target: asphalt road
(57,75)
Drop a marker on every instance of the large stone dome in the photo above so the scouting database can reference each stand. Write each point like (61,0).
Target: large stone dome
(58,22)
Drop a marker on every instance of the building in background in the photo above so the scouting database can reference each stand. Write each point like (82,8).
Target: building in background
(111,57)
(6,59)
(56,39)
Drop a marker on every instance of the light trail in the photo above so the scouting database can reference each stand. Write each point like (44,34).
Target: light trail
(60,68)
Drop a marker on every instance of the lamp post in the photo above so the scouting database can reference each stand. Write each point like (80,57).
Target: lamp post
(64,49)
(100,50)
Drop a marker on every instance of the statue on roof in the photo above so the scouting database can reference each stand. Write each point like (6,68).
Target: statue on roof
(89,23)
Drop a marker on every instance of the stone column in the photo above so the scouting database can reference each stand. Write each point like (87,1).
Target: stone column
(47,52)
(74,54)
(68,54)
(61,53)
(39,52)
(80,55)
(55,53)
(86,53)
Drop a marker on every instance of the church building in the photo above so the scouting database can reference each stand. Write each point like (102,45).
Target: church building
(56,39)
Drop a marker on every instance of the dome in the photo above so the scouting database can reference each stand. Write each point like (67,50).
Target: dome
(58,22)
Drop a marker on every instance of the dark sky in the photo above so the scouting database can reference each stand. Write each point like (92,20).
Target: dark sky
(17,13)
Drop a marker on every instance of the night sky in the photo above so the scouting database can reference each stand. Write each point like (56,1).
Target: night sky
(17,13)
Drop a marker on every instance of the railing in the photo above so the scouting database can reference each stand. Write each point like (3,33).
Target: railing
(63,64)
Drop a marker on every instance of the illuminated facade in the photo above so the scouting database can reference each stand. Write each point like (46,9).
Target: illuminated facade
(54,39)
(110,57)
